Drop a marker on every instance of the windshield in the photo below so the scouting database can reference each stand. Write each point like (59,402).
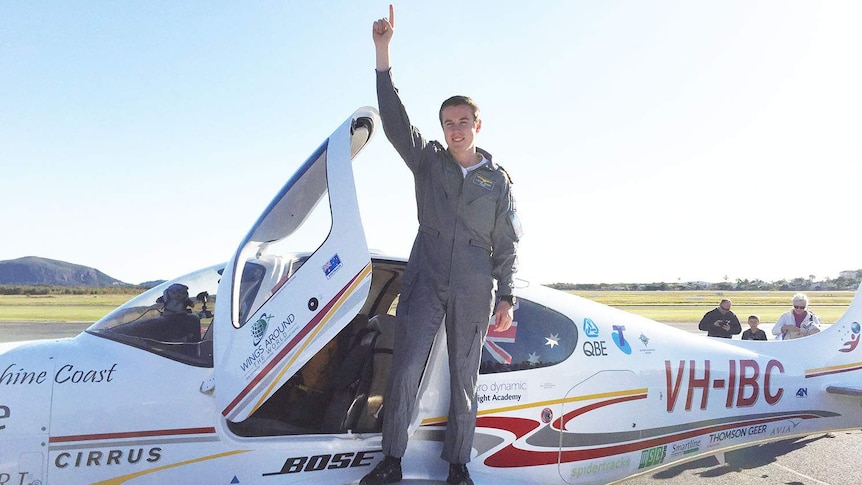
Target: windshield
(171,319)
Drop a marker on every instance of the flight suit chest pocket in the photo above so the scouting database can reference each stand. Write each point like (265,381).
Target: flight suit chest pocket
(430,231)
(480,213)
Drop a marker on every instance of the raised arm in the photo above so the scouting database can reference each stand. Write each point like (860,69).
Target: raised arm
(406,138)
(382,32)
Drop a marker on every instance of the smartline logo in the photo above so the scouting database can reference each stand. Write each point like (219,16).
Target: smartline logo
(685,448)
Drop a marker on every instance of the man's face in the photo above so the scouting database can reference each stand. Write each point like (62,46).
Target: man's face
(724,307)
(459,127)
(177,299)
(799,307)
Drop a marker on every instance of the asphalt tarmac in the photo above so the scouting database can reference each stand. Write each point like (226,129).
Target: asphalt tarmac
(823,459)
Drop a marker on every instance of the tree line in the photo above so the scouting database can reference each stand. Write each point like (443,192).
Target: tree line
(841,283)
(43,290)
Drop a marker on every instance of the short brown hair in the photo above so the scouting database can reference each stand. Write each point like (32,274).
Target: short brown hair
(459,100)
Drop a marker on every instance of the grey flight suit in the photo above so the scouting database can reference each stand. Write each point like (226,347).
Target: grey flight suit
(468,234)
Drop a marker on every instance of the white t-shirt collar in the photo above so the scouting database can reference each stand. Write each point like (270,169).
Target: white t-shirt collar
(465,171)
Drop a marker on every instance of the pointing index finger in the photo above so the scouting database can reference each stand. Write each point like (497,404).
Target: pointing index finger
(391,15)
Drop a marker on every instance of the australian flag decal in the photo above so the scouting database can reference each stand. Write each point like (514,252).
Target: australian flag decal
(332,266)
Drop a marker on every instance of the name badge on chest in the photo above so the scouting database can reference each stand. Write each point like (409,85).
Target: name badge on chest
(483,182)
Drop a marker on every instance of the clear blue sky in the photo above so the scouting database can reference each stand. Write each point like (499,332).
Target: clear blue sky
(648,141)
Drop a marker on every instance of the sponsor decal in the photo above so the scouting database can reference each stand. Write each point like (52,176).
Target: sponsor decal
(802,392)
(331,266)
(743,387)
(851,344)
(600,467)
(258,328)
(21,478)
(501,392)
(685,448)
(67,374)
(647,349)
(125,456)
(269,345)
(784,429)
(5,413)
(730,434)
(6,477)
(620,339)
(483,182)
(595,348)
(590,328)
(27,468)
(547,415)
(316,463)
(11,376)
(652,456)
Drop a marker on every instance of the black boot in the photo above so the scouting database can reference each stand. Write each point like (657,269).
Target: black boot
(458,475)
(387,471)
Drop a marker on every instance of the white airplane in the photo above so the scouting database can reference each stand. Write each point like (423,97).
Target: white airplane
(283,382)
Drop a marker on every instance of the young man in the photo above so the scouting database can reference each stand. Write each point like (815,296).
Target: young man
(720,322)
(468,233)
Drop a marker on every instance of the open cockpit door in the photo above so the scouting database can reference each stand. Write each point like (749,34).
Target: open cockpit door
(285,305)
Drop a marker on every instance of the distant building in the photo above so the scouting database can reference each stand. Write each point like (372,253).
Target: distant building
(851,275)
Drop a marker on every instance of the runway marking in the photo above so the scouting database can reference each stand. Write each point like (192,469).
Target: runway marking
(800,474)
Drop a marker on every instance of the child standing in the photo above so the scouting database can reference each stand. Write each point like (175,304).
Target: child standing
(753,333)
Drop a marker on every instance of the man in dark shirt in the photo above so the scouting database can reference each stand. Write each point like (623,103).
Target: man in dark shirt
(467,239)
(720,321)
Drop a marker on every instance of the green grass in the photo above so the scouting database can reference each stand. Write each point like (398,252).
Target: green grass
(663,306)
(58,308)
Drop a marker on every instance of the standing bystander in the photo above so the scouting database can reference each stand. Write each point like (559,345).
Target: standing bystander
(798,322)
(720,321)
(753,333)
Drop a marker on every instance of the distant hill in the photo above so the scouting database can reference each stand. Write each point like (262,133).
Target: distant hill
(151,284)
(32,270)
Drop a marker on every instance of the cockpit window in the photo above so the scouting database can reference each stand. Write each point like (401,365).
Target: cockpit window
(539,337)
(300,216)
(171,319)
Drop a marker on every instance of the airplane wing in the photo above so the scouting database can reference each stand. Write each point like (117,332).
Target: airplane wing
(283,308)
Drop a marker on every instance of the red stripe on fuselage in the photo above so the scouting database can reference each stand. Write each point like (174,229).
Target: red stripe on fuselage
(563,420)
(130,434)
